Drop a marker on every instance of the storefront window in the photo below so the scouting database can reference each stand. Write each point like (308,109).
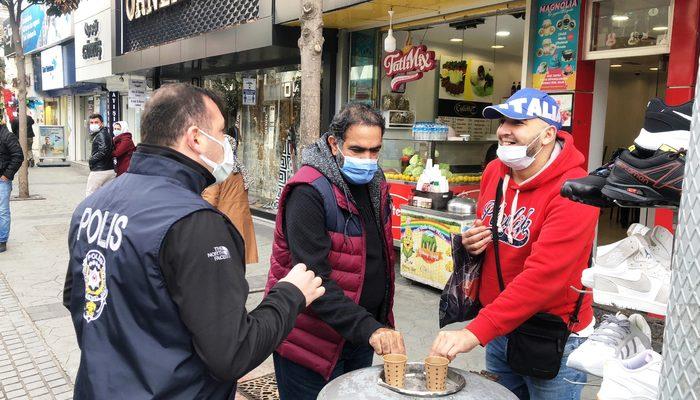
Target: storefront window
(267,105)
(641,27)
(363,72)
(51,112)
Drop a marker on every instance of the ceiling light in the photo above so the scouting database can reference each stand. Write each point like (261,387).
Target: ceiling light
(454,39)
(615,65)
(660,28)
(390,40)
(620,18)
(653,69)
(502,33)
(497,46)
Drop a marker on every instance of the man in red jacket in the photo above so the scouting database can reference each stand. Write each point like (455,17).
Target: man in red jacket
(544,243)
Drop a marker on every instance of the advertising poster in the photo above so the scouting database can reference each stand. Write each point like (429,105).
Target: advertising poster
(466,80)
(556,45)
(52,140)
(52,68)
(39,30)
(250,91)
(566,107)
(426,248)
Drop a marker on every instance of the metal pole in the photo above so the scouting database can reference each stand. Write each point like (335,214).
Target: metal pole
(680,376)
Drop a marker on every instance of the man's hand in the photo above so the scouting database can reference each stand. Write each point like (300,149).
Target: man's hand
(477,238)
(387,341)
(306,281)
(3,178)
(450,343)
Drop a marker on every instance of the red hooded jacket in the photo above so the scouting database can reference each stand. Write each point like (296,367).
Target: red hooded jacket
(543,251)
(123,149)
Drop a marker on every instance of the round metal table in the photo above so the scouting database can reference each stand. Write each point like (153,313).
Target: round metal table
(362,385)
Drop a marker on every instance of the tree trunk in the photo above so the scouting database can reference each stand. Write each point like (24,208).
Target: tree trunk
(311,48)
(23,174)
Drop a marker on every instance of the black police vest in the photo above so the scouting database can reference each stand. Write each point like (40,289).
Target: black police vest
(133,342)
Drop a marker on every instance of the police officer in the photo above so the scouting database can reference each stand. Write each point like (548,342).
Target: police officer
(156,277)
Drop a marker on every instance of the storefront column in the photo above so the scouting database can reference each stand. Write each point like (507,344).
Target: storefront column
(682,67)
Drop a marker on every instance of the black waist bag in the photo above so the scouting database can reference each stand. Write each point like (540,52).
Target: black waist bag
(536,347)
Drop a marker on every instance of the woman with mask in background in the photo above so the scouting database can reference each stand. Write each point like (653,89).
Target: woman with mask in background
(123,146)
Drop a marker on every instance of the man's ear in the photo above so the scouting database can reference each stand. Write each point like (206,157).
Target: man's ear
(193,139)
(550,135)
(333,143)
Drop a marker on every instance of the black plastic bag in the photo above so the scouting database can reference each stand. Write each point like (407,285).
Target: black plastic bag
(460,298)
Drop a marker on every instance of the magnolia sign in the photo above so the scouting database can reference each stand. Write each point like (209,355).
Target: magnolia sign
(136,9)
(406,67)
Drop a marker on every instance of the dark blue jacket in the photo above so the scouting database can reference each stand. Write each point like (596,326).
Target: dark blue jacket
(133,341)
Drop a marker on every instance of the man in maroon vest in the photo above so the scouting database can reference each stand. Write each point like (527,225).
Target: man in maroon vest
(335,216)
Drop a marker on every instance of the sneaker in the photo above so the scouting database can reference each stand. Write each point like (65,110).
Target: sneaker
(617,337)
(3,247)
(634,229)
(665,125)
(634,379)
(639,282)
(614,261)
(647,182)
(586,190)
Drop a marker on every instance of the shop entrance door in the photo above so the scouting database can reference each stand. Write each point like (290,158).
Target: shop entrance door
(633,82)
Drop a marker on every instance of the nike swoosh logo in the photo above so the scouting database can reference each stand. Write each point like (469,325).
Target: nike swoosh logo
(641,285)
(689,118)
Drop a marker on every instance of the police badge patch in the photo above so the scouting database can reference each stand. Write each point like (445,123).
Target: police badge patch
(95,278)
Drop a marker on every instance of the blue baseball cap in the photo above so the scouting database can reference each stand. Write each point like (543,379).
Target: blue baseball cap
(527,104)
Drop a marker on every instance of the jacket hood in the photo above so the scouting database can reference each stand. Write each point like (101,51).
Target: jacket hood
(319,156)
(568,159)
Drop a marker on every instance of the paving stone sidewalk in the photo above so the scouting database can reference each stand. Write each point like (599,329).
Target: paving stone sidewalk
(27,367)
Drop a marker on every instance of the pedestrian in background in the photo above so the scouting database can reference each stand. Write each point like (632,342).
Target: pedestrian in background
(11,158)
(30,135)
(231,198)
(101,160)
(123,146)
(156,277)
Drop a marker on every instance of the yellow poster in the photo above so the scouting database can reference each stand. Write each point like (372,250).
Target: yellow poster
(426,248)
(466,79)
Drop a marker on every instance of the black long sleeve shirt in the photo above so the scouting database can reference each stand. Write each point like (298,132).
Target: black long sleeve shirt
(309,243)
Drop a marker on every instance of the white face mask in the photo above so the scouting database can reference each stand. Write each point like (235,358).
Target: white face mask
(222,170)
(94,128)
(117,132)
(516,156)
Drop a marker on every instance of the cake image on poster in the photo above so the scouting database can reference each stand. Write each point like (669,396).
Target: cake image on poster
(452,76)
(482,82)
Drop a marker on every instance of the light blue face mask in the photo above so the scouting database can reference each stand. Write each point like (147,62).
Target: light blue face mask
(358,171)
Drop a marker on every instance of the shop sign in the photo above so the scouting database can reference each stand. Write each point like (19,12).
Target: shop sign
(93,44)
(52,68)
(7,45)
(137,93)
(556,44)
(250,88)
(409,66)
(136,9)
(114,110)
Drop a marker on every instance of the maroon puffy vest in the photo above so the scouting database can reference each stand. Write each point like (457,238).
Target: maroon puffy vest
(313,343)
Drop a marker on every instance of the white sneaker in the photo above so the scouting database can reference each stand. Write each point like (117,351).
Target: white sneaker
(638,283)
(661,241)
(634,379)
(617,337)
(613,258)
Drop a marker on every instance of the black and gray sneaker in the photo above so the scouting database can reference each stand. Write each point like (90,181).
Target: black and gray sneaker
(656,180)
(586,190)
